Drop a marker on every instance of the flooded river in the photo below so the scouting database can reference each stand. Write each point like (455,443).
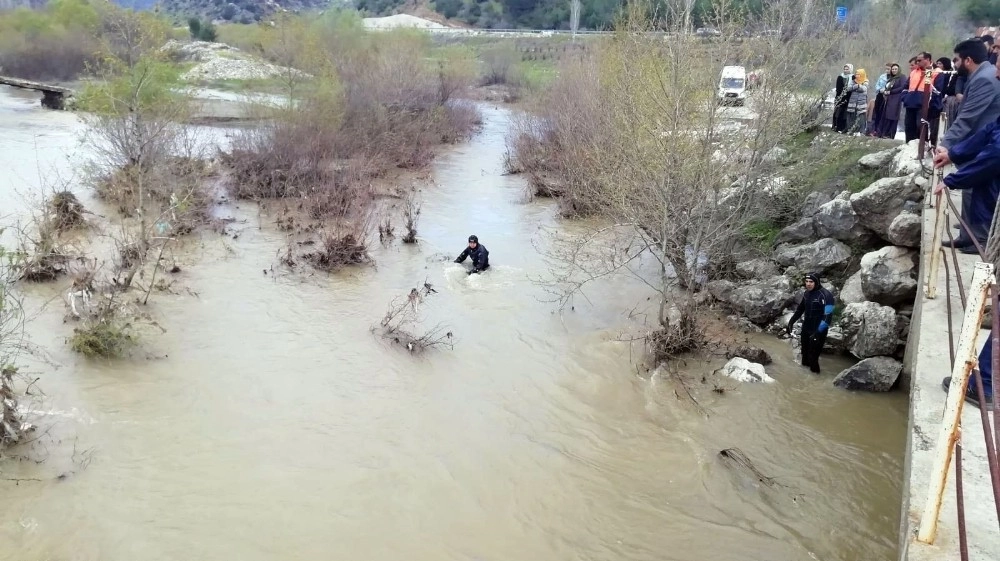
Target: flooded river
(268,423)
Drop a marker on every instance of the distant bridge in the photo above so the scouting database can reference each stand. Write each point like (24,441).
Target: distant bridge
(53,97)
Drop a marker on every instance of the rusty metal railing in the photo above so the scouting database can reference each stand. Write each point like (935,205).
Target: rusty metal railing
(964,367)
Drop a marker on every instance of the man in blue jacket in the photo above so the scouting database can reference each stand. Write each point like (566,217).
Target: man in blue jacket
(977,159)
(980,107)
(817,307)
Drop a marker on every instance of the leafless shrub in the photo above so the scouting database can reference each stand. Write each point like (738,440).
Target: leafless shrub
(411,213)
(44,254)
(67,212)
(402,323)
(13,426)
(63,56)
(386,231)
(338,250)
(500,67)
(388,109)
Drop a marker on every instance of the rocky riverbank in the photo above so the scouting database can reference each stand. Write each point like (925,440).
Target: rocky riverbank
(865,245)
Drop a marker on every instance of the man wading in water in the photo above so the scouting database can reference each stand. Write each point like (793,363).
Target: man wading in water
(817,306)
(480,257)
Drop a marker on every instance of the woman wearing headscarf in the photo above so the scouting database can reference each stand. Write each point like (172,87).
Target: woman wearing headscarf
(857,103)
(876,106)
(939,93)
(893,92)
(840,99)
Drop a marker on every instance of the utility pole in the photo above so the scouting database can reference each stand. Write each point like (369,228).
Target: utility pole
(574,16)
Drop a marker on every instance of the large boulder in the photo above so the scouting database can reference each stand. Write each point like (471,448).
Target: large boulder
(813,201)
(905,230)
(889,275)
(905,161)
(801,231)
(876,374)
(743,370)
(819,257)
(852,293)
(721,290)
(882,201)
(878,160)
(757,269)
(869,329)
(760,302)
(837,219)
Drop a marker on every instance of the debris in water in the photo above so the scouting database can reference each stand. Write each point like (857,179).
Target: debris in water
(740,460)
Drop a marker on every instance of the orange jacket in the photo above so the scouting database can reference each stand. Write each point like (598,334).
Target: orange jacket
(917,79)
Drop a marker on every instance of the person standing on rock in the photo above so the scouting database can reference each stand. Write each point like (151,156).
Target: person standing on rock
(816,311)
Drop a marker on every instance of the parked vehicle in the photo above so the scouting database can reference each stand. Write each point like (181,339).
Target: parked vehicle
(733,85)
(707,32)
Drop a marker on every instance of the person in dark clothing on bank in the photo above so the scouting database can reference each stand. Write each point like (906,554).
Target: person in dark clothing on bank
(816,309)
(978,174)
(986,372)
(480,256)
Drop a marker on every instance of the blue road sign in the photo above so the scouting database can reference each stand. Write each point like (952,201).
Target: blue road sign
(842,14)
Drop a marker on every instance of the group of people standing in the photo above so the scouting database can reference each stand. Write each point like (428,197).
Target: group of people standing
(863,109)
(965,88)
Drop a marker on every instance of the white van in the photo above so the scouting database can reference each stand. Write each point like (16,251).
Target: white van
(733,85)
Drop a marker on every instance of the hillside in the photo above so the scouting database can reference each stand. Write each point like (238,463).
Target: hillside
(235,11)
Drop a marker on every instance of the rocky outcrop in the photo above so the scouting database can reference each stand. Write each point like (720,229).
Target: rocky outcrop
(760,302)
(869,329)
(743,370)
(757,269)
(881,202)
(820,256)
(889,275)
(876,374)
(879,160)
(905,230)
(751,353)
(837,219)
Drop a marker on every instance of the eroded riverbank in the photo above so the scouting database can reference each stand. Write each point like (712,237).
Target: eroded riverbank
(268,423)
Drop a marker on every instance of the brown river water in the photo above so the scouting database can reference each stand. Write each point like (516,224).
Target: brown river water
(268,423)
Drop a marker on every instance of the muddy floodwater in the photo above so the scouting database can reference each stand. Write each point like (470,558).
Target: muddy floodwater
(266,422)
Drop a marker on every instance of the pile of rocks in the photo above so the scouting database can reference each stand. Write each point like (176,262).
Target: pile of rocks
(218,61)
(865,246)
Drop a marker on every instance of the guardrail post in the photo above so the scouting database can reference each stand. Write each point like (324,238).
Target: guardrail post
(965,359)
(940,218)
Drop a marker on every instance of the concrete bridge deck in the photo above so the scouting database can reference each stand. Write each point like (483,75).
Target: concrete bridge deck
(927,362)
(53,97)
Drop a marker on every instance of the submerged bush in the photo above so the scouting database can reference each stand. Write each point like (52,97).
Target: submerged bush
(103,338)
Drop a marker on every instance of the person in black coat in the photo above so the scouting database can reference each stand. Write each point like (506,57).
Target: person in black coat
(841,97)
(816,309)
(480,256)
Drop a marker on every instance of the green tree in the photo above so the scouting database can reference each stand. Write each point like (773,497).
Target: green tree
(208,32)
(448,8)
(194,26)
(981,11)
